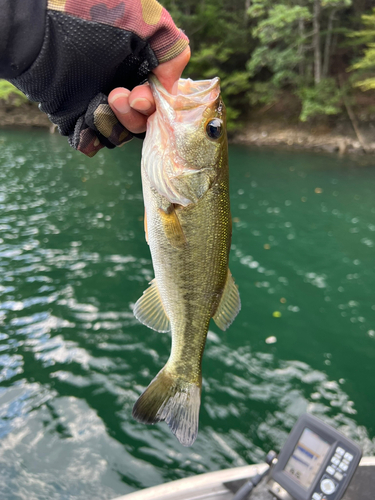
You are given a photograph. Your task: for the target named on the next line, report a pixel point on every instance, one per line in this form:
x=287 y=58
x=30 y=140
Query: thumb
x=169 y=73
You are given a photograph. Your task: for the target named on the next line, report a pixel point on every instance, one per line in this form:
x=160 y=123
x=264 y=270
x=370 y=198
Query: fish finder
x=316 y=463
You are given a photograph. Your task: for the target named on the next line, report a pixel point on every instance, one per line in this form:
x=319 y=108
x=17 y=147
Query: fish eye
x=214 y=128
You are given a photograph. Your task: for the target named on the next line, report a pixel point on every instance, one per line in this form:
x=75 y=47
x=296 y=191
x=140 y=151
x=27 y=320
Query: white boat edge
x=195 y=487
x=210 y=484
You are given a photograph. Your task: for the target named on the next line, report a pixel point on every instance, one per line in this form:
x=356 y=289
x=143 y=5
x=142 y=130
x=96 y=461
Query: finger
x=131 y=119
x=142 y=100
x=169 y=73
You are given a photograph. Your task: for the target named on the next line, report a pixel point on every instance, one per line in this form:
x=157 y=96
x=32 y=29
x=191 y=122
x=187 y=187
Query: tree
x=290 y=47
x=290 y=35
x=279 y=30
x=367 y=62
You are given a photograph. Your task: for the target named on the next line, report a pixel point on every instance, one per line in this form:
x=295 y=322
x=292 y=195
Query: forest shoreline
x=270 y=133
x=301 y=138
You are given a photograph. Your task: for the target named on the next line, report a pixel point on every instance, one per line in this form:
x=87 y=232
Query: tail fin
x=174 y=401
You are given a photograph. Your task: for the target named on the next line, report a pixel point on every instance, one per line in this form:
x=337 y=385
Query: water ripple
x=73 y=359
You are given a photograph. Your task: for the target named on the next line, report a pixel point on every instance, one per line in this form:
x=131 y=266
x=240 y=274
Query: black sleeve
x=22 y=25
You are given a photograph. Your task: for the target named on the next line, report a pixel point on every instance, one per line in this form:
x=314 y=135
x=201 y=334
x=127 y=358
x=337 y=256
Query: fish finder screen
x=307 y=458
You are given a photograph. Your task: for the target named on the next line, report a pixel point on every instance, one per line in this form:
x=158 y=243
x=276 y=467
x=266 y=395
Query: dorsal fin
x=172 y=227
x=150 y=311
x=229 y=305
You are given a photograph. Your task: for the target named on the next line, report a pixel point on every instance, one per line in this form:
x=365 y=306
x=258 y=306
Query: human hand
x=132 y=108
x=90 y=47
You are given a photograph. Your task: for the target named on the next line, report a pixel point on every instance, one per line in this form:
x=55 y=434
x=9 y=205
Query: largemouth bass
x=188 y=228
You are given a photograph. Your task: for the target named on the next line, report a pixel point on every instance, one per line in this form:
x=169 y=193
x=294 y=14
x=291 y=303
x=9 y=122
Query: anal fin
x=150 y=311
x=172 y=227
x=229 y=305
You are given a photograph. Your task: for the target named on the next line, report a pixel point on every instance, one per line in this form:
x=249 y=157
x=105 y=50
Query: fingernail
x=141 y=104
x=120 y=103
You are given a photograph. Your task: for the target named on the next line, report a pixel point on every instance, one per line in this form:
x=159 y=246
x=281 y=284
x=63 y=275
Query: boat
x=224 y=484
x=316 y=463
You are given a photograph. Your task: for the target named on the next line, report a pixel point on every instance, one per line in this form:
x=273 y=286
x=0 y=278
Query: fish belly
x=190 y=279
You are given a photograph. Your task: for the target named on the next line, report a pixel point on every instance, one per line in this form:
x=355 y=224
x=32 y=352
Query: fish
x=188 y=225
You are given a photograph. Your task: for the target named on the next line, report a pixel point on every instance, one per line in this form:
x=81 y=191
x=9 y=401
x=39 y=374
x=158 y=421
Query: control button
x=338 y=476
x=348 y=456
x=335 y=460
x=327 y=486
x=340 y=451
x=316 y=496
x=337 y=456
x=345 y=462
x=343 y=467
x=330 y=470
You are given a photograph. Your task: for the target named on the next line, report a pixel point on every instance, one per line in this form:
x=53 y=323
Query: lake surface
x=73 y=359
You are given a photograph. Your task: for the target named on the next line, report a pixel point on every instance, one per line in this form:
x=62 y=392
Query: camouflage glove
x=90 y=47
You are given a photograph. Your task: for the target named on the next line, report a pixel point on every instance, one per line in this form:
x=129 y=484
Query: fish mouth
x=190 y=93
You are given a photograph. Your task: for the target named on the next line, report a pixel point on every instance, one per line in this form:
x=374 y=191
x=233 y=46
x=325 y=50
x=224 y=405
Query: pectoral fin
x=229 y=305
x=172 y=227
x=150 y=311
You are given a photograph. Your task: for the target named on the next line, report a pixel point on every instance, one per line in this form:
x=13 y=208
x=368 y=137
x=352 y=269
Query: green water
x=73 y=360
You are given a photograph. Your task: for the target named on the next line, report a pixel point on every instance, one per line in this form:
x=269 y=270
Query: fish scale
x=189 y=243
